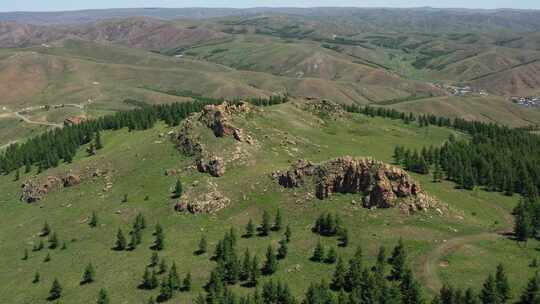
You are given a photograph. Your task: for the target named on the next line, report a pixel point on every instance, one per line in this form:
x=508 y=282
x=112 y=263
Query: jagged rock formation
x=33 y=190
x=218 y=119
x=324 y=108
x=381 y=185
x=214 y=166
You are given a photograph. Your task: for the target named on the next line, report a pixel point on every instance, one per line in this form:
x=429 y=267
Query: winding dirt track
x=430 y=262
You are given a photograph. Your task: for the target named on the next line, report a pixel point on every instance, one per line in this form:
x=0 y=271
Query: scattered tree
x=56 y=291
x=88 y=275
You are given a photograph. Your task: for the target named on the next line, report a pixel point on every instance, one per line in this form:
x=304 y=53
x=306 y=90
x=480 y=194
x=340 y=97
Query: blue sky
x=55 y=5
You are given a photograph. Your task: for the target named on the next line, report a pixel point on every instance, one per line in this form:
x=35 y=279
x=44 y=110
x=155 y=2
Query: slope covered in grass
x=134 y=163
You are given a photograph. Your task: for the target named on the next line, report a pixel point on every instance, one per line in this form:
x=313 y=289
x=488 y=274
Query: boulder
x=215 y=166
x=33 y=190
x=210 y=202
x=381 y=185
x=71 y=180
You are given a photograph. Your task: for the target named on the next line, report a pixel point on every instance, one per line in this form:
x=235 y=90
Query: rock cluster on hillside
x=381 y=185
x=218 y=119
x=209 y=200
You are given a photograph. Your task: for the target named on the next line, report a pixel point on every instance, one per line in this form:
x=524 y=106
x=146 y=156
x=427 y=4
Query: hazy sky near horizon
x=56 y=5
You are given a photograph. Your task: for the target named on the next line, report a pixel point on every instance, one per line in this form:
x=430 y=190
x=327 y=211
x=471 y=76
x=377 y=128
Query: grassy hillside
x=135 y=162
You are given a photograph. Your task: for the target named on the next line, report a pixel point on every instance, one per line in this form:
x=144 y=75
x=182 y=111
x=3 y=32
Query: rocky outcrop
x=380 y=185
x=215 y=166
x=34 y=190
x=217 y=117
x=71 y=180
x=210 y=201
x=324 y=108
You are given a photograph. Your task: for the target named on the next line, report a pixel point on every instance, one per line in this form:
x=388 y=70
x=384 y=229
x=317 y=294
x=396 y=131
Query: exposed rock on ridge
x=381 y=185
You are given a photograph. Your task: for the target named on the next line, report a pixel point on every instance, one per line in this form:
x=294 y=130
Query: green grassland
x=137 y=161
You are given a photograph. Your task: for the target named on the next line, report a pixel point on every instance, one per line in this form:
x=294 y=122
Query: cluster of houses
x=529 y=101
x=462 y=90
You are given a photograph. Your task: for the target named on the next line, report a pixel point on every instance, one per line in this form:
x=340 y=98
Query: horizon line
x=265 y=7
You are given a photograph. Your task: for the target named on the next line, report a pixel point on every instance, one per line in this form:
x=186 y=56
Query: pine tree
x=282 y=250
x=174 y=278
x=154 y=259
x=162 y=267
x=53 y=241
x=410 y=289
x=103 y=296
x=88 y=275
x=343 y=237
x=99 y=144
x=288 y=234
x=470 y=297
x=488 y=295
x=246 y=266
x=178 y=189
x=397 y=261
x=46 y=229
x=159 y=242
x=146 y=280
x=64 y=246
x=186 y=284
x=37 y=278
x=120 y=241
x=318 y=253
x=25 y=255
x=502 y=285
x=265 y=226
x=531 y=294
x=254 y=272
x=154 y=280
x=339 y=279
x=203 y=246
x=47 y=258
x=271 y=263
x=165 y=292
x=93 y=220
x=56 y=291
x=522 y=226
x=250 y=229
x=278 y=221
x=331 y=256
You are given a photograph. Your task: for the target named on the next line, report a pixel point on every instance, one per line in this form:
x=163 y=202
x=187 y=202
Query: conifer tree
x=165 y=292
x=162 y=267
x=343 y=237
x=154 y=280
x=103 y=296
x=380 y=265
x=154 y=259
x=146 y=280
x=397 y=261
x=88 y=275
x=174 y=278
x=254 y=272
x=288 y=234
x=271 y=263
x=203 y=246
x=265 y=226
x=46 y=229
x=250 y=229
x=178 y=189
x=47 y=258
x=278 y=221
x=120 y=243
x=502 y=284
x=331 y=256
x=186 y=284
x=531 y=294
x=25 y=255
x=339 y=278
x=522 y=226
x=99 y=143
x=53 y=241
x=159 y=242
x=37 y=278
x=318 y=253
x=56 y=291
x=488 y=295
x=283 y=249
x=93 y=220
x=410 y=289
x=246 y=266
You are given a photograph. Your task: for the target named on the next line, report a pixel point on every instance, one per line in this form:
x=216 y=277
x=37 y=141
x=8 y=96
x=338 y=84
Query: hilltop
x=135 y=172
